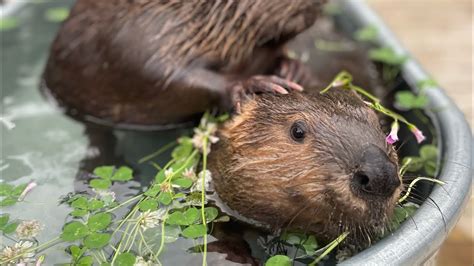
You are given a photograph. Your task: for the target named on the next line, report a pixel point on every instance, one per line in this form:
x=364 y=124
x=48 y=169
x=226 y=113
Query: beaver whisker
x=300 y=211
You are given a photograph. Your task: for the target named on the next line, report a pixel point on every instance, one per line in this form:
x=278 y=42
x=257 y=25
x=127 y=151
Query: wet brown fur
x=151 y=62
x=259 y=171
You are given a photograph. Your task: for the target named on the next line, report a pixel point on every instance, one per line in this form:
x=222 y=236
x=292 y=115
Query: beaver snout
x=376 y=175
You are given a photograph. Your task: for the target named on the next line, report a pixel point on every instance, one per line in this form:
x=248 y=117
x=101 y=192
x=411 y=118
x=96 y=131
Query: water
x=57 y=151
x=53 y=149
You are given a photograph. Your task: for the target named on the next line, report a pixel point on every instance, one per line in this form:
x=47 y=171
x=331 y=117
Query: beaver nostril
x=362 y=180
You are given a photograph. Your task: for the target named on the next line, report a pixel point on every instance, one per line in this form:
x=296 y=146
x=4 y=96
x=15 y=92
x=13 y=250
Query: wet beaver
x=308 y=161
x=161 y=62
x=314 y=162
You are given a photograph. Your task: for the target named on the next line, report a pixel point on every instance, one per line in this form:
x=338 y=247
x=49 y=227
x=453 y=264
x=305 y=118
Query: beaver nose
x=376 y=175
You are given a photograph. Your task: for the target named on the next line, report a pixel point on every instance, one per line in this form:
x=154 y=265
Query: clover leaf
x=74 y=231
x=97 y=240
x=387 y=55
x=408 y=100
x=125 y=259
x=368 y=33
x=278 y=260
x=99 y=221
x=194 y=231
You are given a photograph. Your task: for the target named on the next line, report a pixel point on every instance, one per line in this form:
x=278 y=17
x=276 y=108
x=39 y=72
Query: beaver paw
x=295 y=71
x=260 y=84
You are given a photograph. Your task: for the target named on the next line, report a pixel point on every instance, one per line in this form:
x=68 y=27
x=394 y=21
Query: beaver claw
x=295 y=71
x=261 y=84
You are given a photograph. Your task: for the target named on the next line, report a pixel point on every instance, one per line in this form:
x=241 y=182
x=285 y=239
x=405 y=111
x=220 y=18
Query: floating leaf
x=429 y=152
x=310 y=245
x=79 y=213
x=8 y=23
x=96 y=240
x=278 y=260
x=80 y=203
x=57 y=14
x=415 y=165
x=211 y=214
x=6 y=189
x=427 y=83
x=19 y=189
x=124 y=173
x=100 y=183
x=222 y=219
x=8 y=201
x=430 y=168
x=125 y=259
x=10 y=228
x=292 y=238
x=4 y=220
x=95 y=204
x=99 y=221
x=104 y=172
x=194 y=231
x=74 y=231
x=148 y=205
x=401 y=213
x=408 y=100
x=183 y=182
x=183 y=150
x=387 y=55
x=368 y=33
x=153 y=191
x=171 y=233
x=76 y=252
x=87 y=260
x=165 y=197
x=160 y=176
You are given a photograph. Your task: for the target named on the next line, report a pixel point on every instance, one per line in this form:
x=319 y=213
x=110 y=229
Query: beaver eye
x=298 y=131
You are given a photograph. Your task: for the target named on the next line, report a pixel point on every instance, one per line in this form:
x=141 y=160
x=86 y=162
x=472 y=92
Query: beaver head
x=312 y=162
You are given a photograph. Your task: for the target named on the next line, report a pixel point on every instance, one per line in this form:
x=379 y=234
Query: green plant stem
x=329 y=248
x=158 y=152
x=162 y=240
x=117 y=251
x=193 y=154
x=404 y=167
x=125 y=203
x=144 y=242
x=45 y=245
x=131 y=238
x=99 y=261
x=439 y=182
x=203 y=198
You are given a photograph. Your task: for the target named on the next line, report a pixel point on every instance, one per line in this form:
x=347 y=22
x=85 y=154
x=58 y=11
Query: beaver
x=153 y=63
x=313 y=162
x=156 y=64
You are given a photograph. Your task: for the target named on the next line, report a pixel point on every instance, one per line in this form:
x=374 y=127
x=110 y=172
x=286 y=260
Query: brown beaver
x=161 y=62
x=317 y=163
x=308 y=161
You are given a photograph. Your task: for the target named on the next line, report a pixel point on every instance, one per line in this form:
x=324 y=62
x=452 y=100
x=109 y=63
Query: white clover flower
x=140 y=261
x=106 y=196
x=18 y=251
x=21 y=247
x=207 y=177
x=189 y=173
x=28 y=229
x=201 y=134
x=168 y=172
x=8 y=253
x=151 y=219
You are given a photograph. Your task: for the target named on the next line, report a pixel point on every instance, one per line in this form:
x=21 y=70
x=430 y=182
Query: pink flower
x=28 y=188
x=418 y=134
x=393 y=137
